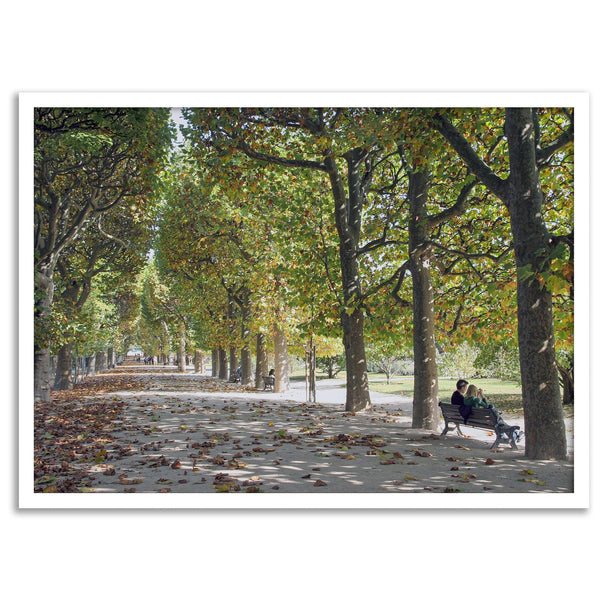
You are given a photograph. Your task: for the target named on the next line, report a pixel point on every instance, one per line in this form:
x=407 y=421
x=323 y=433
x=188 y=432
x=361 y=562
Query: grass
x=505 y=395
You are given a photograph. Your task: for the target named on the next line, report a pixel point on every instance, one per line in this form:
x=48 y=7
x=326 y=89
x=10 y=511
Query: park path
x=175 y=432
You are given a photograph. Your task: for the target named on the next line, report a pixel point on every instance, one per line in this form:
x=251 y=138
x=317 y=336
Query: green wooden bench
x=480 y=418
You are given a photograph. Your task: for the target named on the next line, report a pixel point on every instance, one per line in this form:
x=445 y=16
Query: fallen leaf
x=418 y=452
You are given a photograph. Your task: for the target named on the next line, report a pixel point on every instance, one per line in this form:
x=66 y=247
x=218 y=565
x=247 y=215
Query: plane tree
x=343 y=146
x=86 y=162
x=111 y=247
x=524 y=176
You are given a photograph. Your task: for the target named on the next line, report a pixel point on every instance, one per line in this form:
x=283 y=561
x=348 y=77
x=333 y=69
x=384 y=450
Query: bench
x=269 y=382
x=480 y=418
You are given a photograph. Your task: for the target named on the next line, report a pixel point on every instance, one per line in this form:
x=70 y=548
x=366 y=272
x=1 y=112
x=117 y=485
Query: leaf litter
x=223 y=438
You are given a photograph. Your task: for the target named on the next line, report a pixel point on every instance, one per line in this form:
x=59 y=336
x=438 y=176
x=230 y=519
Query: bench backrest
x=479 y=417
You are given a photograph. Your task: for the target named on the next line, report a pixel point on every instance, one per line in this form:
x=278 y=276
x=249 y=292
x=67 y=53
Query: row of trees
x=403 y=228
x=299 y=218
x=95 y=178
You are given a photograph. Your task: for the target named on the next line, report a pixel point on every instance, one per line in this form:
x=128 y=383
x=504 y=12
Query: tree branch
x=482 y=171
x=456 y=209
x=542 y=155
x=278 y=160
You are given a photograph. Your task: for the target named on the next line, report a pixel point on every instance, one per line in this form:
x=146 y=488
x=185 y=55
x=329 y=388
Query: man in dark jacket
x=459 y=395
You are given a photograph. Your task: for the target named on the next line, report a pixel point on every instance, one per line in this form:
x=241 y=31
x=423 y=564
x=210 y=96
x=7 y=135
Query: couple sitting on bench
x=470 y=396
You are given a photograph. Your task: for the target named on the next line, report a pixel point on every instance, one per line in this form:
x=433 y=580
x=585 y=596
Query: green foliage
x=94 y=172
x=459 y=363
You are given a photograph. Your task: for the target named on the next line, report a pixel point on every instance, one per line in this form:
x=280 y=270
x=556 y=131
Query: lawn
x=506 y=395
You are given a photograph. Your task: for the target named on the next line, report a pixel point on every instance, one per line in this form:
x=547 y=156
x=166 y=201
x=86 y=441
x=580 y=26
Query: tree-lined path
x=430 y=241
x=152 y=429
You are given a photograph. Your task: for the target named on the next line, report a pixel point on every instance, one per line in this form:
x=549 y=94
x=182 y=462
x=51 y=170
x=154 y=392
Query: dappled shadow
x=190 y=433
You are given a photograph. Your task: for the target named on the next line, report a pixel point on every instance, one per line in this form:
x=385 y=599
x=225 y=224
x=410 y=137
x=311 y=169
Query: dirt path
x=167 y=432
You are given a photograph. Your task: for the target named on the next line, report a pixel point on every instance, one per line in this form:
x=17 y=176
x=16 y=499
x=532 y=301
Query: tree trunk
x=348 y=219
x=311 y=375
x=246 y=352
x=198 y=362
x=44 y=293
x=425 y=400
x=262 y=360
x=63 y=379
x=544 y=425
x=282 y=373
x=181 y=350
x=100 y=362
x=223 y=366
x=90 y=365
x=215 y=366
x=566 y=378
x=234 y=361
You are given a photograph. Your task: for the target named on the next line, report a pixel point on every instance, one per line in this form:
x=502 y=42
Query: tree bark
x=566 y=377
x=262 y=360
x=181 y=349
x=223 y=366
x=542 y=408
x=63 y=379
x=234 y=361
x=215 y=366
x=198 y=362
x=348 y=219
x=311 y=374
x=246 y=351
x=425 y=400
x=100 y=362
x=90 y=365
x=44 y=294
x=282 y=373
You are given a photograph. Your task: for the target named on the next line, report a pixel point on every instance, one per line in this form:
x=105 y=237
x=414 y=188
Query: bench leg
x=446 y=428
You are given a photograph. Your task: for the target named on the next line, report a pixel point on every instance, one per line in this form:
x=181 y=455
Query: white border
x=581 y=496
